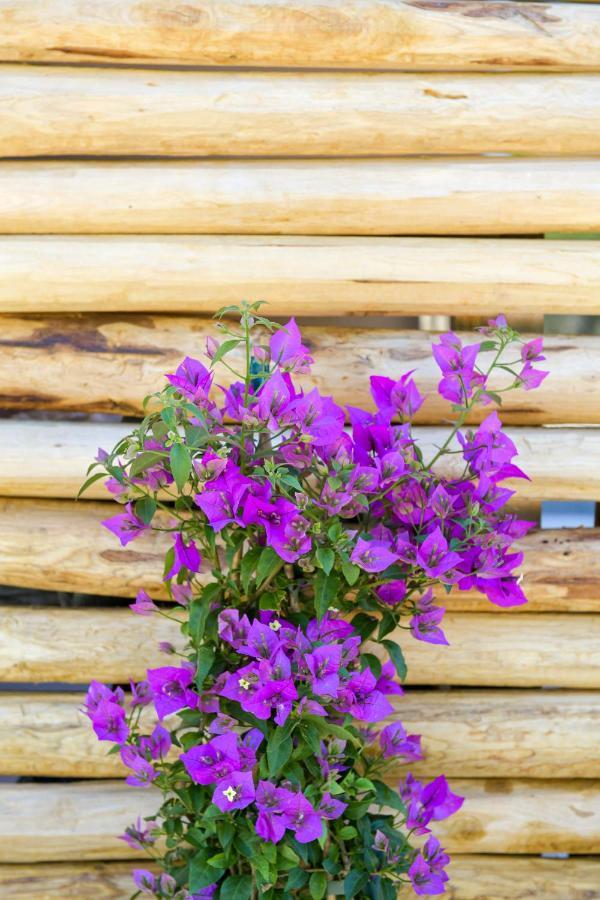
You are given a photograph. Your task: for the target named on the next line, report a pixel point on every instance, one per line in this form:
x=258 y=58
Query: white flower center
x=245 y=685
x=275 y=625
x=230 y=794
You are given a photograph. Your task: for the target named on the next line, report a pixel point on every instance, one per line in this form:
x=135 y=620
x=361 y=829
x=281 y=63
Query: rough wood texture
x=77 y=645
x=378 y=34
x=298 y=275
x=109 y=363
x=79 y=821
x=57 y=455
x=56 y=545
x=471 y=733
x=60 y=111
x=62 y=547
x=326 y=197
x=474 y=877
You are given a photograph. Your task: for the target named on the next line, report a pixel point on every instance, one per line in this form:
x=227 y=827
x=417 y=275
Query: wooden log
x=514 y=650
x=55 y=881
x=62 y=547
x=61 y=111
x=79 y=821
x=109 y=363
x=466 y=733
x=55 y=545
x=477 y=877
x=563 y=463
x=298 y=275
x=417 y=34
x=327 y=197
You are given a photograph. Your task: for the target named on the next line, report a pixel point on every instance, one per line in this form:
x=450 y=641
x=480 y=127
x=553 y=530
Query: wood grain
x=61 y=111
x=514 y=650
x=57 y=545
x=298 y=275
x=477 y=877
x=563 y=463
x=110 y=363
x=422 y=34
x=320 y=197
x=466 y=733
x=79 y=821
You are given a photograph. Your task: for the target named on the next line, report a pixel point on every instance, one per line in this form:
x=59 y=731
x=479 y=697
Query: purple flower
x=502 y=591
x=396 y=398
x=192 y=380
x=365 y=701
x=424 y=879
x=278 y=694
x=457 y=364
x=386 y=683
x=433 y=555
x=330 y=808
x=185 y=556
x=144 y=772
x=144 y=605
x=170 y=686
x=207 y=763
x=271 y=823
x=158 y=744
x=108 y=722
x=233 y=629
x=324 y=665
x=373 y=556
x=392 y=592
x=425 y=626
x=97 y=692
x=127 y=526
x=139 y=836
x=287 y=349
x=236 y=791
x=145 y=881
x=141 y=693
x=301 y=817
x=395 y=741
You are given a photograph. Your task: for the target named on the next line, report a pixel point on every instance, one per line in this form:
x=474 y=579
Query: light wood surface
x=422 y=34
x=79 y=821
x=62 y=111
x=514 y=650
x=320 y=197
x=299 y=275
x=50 y=459
x=477 y=877
x=110 y=363
x=59 y=545
x=470 y=733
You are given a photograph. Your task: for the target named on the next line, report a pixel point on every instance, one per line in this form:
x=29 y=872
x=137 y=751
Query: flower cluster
x=304 y=539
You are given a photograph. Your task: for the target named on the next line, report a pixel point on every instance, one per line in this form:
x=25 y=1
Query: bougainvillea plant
x=301 y=550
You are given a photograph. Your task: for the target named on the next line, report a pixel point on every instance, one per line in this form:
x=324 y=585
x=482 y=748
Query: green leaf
x=348 y=832
x=247 y=566
x=387 y=624
x=199 y=610
x=224 y=349
x=225 y=833
x=201 y=875
x=143 y=461
x=204 y=663
x=317 y=885
x=373 y=663
x=236 y=887
x=145 y=509
x=397 y=658
x=268 y=563
x=279 y=750
x=89 y=482
x=326 y=590
x=326 y=559
x=181 y=464
x=350 y=573
x=297 y=878
x=328 y=729
x=364 y=624
x=385 y=796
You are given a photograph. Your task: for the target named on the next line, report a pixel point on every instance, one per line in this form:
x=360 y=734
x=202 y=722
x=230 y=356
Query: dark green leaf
x=397 y=658
x=279 y=750
x=385 y=796
x=199 y=610
x=145 y=509
x=326 y=559
x=364 y=624
x=317 y=885
x=350 y=573
x=297 y=878
x=181 y=464
x=247 y=566
x=353 y=883
x=201 y=875
x=236 y=887
x=268 y=563
x=327 y=729
x=204 y=663
x=326 y=590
